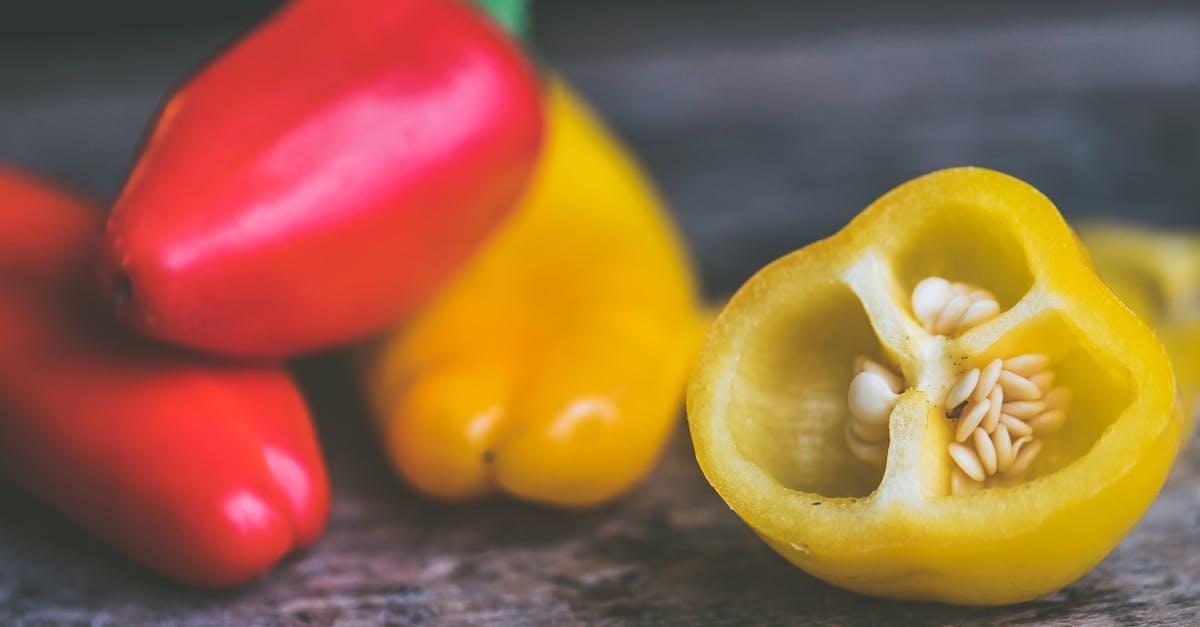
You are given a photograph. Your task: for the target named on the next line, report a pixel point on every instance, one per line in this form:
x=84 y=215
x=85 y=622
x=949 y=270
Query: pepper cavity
x=1009 y=405
x=999 y=412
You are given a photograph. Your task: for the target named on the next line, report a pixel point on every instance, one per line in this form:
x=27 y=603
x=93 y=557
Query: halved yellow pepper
x=553 y=369
x=1157 y=273
x=770 y=401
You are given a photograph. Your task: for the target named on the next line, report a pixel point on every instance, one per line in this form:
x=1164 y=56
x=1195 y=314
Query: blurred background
x=767 y=124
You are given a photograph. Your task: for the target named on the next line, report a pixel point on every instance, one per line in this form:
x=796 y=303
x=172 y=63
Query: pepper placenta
x=205 y=471
x=322 y=177
x=553 y=368
x=1157 y=273
x=939 y=402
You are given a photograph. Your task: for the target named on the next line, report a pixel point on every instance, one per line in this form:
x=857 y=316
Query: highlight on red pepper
x=205 y=471
x=322 y=177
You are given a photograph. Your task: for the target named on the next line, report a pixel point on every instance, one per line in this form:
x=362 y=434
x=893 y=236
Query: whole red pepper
x=322 y=177
x=206 y=471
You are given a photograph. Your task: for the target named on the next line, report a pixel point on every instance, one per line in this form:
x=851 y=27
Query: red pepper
x=322 y=177
x=206 y=471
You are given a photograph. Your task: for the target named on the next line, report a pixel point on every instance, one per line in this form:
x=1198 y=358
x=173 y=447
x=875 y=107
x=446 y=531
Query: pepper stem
x=513 y=15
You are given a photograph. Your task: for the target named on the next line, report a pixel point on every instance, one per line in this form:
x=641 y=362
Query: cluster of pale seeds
x=873 y=393
x=1001 y=409
x=948 y=308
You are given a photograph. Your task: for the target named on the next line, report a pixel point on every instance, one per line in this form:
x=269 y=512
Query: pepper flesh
x=207 y=472
x=552 y=369
x=322 y=177
x=1157 y=273
x=767 y=401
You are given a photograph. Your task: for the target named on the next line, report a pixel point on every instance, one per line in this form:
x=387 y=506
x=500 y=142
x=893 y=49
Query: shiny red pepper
x=205 y=471
x=322 y=177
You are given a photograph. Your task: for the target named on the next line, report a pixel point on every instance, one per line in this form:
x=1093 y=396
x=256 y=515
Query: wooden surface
x=670 y=553
x=768 y=125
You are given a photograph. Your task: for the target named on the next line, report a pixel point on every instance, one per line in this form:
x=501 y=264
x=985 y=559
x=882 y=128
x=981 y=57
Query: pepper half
x=552 y=369
x=1157 y=273
x=797 y=373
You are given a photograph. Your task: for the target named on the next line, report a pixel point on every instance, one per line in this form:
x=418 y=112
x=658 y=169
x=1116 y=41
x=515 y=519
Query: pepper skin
x=552 y=369
x=322 y=177
x=1157 y=273
x=771 y=400
x=204 y=471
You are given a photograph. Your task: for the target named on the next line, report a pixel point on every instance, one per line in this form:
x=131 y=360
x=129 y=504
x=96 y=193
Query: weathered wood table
x=768 y=125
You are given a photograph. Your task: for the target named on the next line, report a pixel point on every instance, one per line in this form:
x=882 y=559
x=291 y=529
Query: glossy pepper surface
x=322 y=177
x=786 y=431
x=1157 y=273
x=553 y=368
x=204 y=471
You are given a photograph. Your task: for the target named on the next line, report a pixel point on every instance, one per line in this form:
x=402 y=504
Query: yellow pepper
x=1157 y=273
x=939 y=402
x=553 y=369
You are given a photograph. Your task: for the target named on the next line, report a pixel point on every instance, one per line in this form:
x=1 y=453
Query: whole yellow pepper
x=553 y=368
x=1157 y=273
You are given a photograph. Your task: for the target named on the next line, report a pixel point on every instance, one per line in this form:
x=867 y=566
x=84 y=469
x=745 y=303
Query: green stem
x=512 y=14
